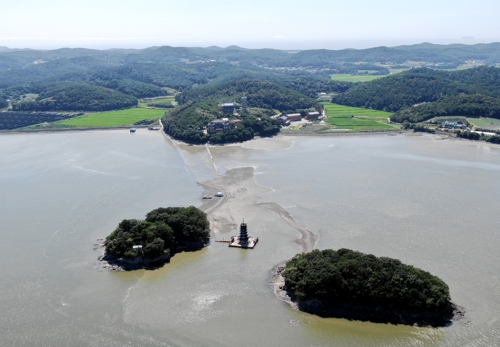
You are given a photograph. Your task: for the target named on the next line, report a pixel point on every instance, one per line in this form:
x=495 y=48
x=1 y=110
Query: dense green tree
x=189 y=224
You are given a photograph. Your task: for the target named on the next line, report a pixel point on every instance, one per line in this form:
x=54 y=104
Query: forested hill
x=475 y=105
x=151 y=72
x=148 y=80
x=76 y=97
x=261 y=94
x=415 y=86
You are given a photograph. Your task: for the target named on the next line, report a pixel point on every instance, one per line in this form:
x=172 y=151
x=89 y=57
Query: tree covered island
x=137 y=243
x=353 y=285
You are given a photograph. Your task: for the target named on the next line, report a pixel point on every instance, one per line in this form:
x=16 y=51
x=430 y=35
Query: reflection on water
x=432 y=204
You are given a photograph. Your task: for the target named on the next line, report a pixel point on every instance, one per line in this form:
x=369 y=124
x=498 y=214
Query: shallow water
x=432 y=204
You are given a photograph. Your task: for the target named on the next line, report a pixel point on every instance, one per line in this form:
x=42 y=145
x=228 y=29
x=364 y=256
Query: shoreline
x=352 y=311
x=66 y=130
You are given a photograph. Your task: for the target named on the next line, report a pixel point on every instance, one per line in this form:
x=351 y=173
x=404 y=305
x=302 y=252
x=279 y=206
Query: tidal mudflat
x=430 y=202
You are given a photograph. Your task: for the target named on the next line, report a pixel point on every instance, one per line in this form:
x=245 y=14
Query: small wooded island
x=136 y=244
x=353 y=285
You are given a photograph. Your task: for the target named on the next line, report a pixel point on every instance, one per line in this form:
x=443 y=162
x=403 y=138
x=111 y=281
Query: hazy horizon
x=105 y=44
x=280 y=24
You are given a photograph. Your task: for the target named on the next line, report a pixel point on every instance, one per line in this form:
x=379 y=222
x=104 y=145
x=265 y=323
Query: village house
x=453 y=125
x=284 y=121
x=313 y=115
x=294 y=117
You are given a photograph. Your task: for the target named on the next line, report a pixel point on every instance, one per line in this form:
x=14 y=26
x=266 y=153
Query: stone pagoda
x=243 y=240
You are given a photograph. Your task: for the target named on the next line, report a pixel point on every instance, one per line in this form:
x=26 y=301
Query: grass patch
x=166 y=102
x=335 y=110
x=169 y=90
x=395 y=71
x=114 y=118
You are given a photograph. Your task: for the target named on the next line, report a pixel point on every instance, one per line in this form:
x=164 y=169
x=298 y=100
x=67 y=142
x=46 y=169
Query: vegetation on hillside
x=347 y=276
x=475 y=105
x=400 y=91
x=261 y=94
x=163 y=231
x=76 y=97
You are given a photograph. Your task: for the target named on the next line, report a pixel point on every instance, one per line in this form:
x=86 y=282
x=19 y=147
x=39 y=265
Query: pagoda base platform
x=235 y=242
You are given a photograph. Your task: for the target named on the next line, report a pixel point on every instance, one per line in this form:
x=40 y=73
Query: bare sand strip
x=307 y=240
x=212 y=159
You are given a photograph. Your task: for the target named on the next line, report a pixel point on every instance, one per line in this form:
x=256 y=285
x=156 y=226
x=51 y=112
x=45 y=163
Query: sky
x=290 y=24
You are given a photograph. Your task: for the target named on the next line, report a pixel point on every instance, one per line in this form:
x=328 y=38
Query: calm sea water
x=432 y=204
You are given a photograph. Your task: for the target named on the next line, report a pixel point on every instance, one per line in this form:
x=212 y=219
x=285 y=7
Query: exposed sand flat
x=241 y=200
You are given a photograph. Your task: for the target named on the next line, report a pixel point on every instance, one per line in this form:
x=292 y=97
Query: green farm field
x=362 y=78
x=353 y=78
x=113 y=118
x=359 y=124
x=488 y=123
x=335 y=110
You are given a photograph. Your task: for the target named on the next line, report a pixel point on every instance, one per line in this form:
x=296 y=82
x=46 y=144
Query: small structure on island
x=243 y=240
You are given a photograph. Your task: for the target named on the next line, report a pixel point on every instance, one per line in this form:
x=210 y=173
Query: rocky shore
x=110 y=262
x=353 y=311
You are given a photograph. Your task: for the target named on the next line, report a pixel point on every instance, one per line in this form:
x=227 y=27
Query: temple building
x=228 y=107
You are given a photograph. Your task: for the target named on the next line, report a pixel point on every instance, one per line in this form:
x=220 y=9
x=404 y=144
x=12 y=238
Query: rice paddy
x=113 y=118
x=335 y=110
x=346 y=118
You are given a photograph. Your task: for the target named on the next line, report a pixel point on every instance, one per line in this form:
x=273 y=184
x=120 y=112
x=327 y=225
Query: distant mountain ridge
x=432 y=53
